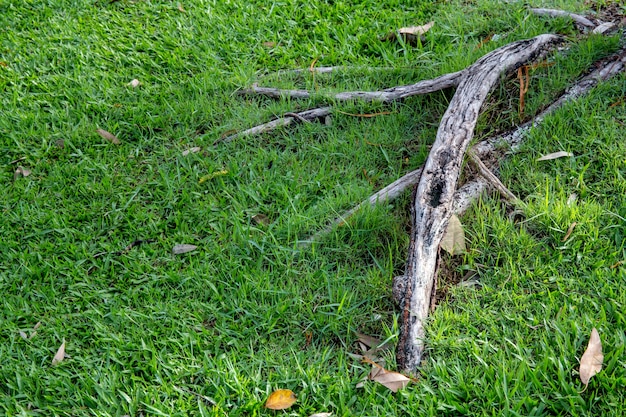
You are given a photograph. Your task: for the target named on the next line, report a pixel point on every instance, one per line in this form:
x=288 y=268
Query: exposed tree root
x=436 y=196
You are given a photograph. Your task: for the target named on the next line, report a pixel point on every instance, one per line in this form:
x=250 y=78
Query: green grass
x=231 y=320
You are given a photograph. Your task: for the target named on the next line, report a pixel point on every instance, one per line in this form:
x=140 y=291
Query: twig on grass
x=307 y=115
x=491 y=178
x=561 y=13
x=387 y=95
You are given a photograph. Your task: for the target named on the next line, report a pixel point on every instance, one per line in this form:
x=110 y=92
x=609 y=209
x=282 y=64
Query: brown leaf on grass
x=195 y=149
x=555 y=155
x=591 y=361
x=261 y=219
x=416 y=30
x=21 y=172
x=389 y=379
x=60 y=143
x=570 y=229
x=183 y=248
x=60 y=355
x=108 y=136
x=453 y=240
x=410 y=34
x=280 y=399
x=368 y=341
x=269 y=44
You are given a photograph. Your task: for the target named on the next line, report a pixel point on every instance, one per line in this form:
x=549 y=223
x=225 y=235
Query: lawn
x=86 y=238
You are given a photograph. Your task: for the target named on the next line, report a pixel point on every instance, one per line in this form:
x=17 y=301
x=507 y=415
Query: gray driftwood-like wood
x=560 y=13
x=490 y=151
x=387 y=95
x=435 y=191
x=289 y=118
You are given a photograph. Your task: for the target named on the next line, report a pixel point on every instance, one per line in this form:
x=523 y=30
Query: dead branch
x=387 y=95
x=495 y=182
x=435 y=192
x=491 y=150
x=307 y=115
x=560 y=13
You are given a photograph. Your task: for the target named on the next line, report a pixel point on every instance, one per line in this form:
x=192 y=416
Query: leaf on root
x=183 y=248
x=60 y=355
x=108 y=136
x=280 y=399
x=555 y=155
x=591 y=361
x=453 y=240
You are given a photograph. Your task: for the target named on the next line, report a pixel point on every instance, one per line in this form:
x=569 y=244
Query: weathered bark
x=281 y=121
x=560 y=13
x=490 y=150
x=434 y=197
x=387 y=95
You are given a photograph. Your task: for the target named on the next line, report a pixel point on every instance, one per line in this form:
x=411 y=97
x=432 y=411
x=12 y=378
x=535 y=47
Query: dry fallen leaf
x=453 y=240
x=269 y=44
x=555 y=155
x=181 y=8
x=280 y=399
x=60 y=355
x=569 y=231
x=321 y=415
x=591 y=361
x=191 y=150
x=261 y=219
x=108 y=136
x=392 y=380
x=416 y=30
x=410 y=34
x=183 y=248
x=21 y=172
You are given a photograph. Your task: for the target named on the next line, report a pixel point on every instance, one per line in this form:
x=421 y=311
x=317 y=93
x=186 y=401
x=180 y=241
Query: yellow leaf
x=591 y=361
x=212 y=175
x=280 y=399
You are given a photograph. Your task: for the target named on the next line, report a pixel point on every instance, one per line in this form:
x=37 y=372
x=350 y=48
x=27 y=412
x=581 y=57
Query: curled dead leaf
x=280 y=399
x=416 y=30
x=261 y=219
x=570 y=229
x=60 y=355
x=183 y=248
x=592 y=359
x=108 y=136
x=21 y=172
